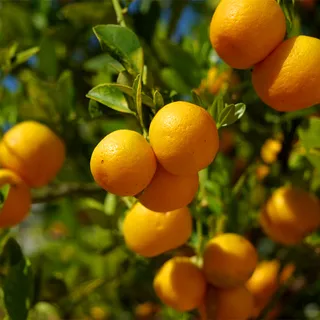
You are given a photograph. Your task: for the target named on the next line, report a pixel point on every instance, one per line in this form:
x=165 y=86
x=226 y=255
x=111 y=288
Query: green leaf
x=231 y=113
x=309 y=133
x=48 y=61
x=137 y=96
x=4 y=194
x=123 y=45
x=110 y=96
x=65 y=92
x=181 y=61
x=216 y=107
x=88 y=13
x=174 y=81
x=101 y=62
x=110 y=204
x=158 y=100
x=18 y=283
x=24 y=56
x=197 y=99
x=96 y=109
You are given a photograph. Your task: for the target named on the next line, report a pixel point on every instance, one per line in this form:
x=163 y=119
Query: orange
x=244 y=32
x=262 y=171
x=151 y=233
x=33 y=151
x=168 y=192
x=180 y=284
x=146 y=311
x=18 y=202
x=290 y=214
x=270 y=150
x=184 y=138
x=229 y=260
x=265 y=281
x=289 y=79
x=227 y=304
x=123 y=163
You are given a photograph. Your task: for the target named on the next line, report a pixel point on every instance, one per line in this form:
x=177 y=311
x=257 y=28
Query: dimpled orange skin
x=168 y=192
x=123 y=163
x=294 y=211
x=33 y=151
x=18 y=202
x=184 y=138
x=289 y=79
x=229 y=260
x=180 y=284
x=266 y=280
x=244 y=32
x=150 y=233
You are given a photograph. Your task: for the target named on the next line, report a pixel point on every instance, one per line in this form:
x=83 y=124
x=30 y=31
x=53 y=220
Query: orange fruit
x=157 y=232
x=270 y=150
x=227 y=304
x=168 y=192
x=180 y=284
x=229 y=260
x=244 y=32
x=265 y=281
x=184 y=138
x=18 y=202
x=262 y=171
x=290 y=214
x=33 y=151
x=146 y=311
x=123 y=163
x=289 y=78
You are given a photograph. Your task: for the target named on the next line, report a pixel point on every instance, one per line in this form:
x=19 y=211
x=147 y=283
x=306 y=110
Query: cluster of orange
x=31 y=155
x=162 y=174
x=250 y=34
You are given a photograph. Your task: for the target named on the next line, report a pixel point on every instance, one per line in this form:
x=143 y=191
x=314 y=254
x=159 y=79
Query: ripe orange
x=289 y=78
x=168 y=192
x=184 y=138
x=265 y=281
x=227 y=304
x=229 y=260
x=290 y=214
x=18 y=202
x=123 y=163
x=180 y=284
x=244 y=32
x=33 y=151
x=146 y=311
x=151 y=233
x=270 y=150
x=262 y=171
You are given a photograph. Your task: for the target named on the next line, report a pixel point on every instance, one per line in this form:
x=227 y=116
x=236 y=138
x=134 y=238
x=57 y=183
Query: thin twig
x=63 y=190
x=119 y=13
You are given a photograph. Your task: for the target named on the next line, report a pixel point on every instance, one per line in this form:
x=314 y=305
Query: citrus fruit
x=33 y=151
x=18 y=202
x=168 y=192
x=146 y=311
x=184 y=138
x=290 y=214
x=180 y=284
x=262 y=171
x=244 y=32
x=150 y=233
x=289 y=78
x=123 y=163
x=265 y=281
x=229 y=260
x=270 y=150
x=227 y=304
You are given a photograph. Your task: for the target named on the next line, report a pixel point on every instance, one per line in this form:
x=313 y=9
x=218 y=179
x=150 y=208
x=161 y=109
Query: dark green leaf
x=231 y=113
x=110 y=96
x=181 y=61
x=4 y=194
x=216 y=107
x=174 y=81
x=88 y=13
x=137 y=96
x=125 y=78
x=158 y=100
x=123 y=45
x=12 y=251
x=65 y=92
x=48 y=62
x=103 y=61
x=96 y=109
x=197 y=99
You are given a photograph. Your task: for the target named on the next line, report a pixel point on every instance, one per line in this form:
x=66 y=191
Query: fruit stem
x=119 y=13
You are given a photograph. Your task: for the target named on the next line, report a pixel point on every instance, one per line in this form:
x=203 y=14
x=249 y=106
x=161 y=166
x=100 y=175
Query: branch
x=119 y=12
x=63 y=190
